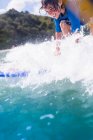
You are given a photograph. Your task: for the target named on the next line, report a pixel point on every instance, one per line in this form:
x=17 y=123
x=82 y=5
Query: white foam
x=28 y=128
x=74 y=63
x=50 y=116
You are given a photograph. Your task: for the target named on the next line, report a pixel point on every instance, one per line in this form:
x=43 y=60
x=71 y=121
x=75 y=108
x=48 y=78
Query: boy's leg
x=66 y=28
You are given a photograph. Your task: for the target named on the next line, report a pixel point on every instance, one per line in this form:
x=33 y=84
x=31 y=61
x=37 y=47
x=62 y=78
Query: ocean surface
x=55 y=100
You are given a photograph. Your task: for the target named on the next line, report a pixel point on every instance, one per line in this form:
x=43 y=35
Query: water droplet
x=28 y=128
x=51 y=104
x=19 y=134
x=48 y=123
x=47 y=116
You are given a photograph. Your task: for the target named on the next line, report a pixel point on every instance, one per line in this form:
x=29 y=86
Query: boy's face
x=52 y=11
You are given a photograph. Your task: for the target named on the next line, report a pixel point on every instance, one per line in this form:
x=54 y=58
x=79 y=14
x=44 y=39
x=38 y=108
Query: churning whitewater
x=39 y=60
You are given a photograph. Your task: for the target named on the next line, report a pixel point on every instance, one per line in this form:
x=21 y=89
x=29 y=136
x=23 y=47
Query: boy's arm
x=58 y=36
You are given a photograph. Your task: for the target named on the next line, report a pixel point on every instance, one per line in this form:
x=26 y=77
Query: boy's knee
x=63 y=25
x=66 y=29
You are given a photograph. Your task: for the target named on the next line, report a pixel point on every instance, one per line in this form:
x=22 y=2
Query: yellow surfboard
x=83 y=9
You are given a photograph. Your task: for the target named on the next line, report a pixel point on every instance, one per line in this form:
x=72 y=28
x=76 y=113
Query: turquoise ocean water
x=55 y=101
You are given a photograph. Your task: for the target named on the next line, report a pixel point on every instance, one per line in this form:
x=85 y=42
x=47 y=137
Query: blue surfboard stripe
x=14 y=74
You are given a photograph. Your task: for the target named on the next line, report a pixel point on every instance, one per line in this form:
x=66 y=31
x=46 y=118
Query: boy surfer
x=66 y=21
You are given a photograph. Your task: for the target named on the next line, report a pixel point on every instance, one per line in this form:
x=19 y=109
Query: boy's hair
x=51 y=2
x=55 y=3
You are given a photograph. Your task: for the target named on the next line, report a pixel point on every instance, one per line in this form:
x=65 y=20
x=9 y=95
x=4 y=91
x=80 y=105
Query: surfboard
x=19 y=74
x=14 y=74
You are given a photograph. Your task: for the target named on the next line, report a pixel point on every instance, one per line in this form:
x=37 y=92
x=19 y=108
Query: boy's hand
x=57 y=52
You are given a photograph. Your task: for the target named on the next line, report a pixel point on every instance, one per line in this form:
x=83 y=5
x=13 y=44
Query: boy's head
x=51 y=7
x=45 y=3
